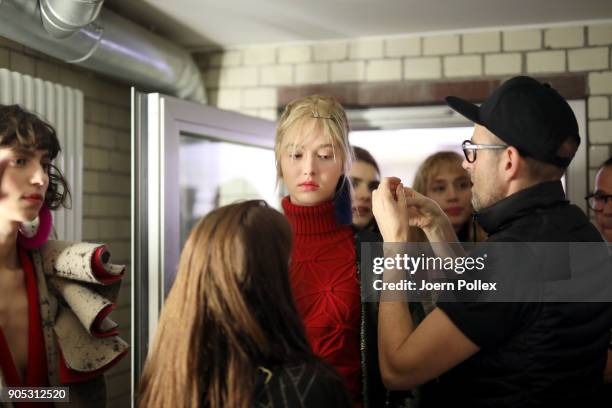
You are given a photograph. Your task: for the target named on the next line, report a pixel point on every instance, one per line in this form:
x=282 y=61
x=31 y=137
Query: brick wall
x=246 y=79
x=106 y=206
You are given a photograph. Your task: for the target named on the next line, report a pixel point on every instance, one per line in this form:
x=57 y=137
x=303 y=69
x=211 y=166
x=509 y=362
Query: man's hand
x=423 y=212
x=396 y=208
x=389 y=209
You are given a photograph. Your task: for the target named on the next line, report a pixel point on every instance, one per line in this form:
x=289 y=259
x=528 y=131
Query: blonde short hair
x=432 y=166
x=322 y=112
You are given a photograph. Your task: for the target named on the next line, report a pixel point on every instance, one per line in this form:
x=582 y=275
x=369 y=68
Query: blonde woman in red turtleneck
x=313 y=156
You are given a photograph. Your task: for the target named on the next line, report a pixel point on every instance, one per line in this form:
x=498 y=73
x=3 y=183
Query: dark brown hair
x=230 y=310
x=363 y=155
x=20 y=128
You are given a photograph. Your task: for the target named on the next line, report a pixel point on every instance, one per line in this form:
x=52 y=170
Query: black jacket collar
x=501 y=214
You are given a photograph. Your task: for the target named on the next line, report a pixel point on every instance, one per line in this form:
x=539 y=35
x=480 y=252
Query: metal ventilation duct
x=110 y=45
x=61 y=18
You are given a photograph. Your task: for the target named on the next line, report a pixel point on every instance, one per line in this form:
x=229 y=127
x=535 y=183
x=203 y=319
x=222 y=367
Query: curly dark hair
x=20 y=128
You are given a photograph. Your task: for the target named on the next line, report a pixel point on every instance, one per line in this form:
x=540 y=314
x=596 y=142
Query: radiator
x=62 y=107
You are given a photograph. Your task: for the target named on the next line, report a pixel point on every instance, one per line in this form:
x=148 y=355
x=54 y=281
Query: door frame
x=158 y=121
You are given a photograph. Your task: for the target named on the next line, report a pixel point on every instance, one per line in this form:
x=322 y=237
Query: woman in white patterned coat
x=55 y=296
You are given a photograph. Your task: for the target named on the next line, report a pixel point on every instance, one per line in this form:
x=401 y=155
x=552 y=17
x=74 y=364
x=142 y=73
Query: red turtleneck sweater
x=323 y=276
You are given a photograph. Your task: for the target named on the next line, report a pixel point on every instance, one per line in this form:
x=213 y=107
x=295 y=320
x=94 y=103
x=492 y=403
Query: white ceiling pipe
x=110 y=45
x=61 y=18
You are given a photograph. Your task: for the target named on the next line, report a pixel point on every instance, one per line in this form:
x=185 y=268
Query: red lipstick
x=309 y=185
x=33 y=197
x=454 y=210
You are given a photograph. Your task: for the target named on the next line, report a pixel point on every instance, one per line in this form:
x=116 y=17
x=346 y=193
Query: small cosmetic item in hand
x=393 y=183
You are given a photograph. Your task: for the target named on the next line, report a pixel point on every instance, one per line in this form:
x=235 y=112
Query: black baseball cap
x=529 y=115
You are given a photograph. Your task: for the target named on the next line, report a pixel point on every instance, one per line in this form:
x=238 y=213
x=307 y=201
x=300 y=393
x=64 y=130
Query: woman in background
x=442 y=178
x=365 y=177
x=229 y=334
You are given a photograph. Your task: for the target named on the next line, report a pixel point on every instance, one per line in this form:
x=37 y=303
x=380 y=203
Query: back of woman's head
x=24 y=130
x=229 y=311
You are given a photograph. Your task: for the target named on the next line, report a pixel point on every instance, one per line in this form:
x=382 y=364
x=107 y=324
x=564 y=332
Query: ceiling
x=201 y=24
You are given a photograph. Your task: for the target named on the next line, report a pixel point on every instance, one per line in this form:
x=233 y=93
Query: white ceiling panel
x=197 y=24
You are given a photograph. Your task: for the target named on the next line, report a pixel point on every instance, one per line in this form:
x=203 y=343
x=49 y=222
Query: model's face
x=450 y=187
x=308 y=165
x=603 y=218
x=484 y=171
x=24 y=180
x=365 y=179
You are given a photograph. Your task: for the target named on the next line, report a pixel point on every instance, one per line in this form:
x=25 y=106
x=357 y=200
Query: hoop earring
x=34 y=234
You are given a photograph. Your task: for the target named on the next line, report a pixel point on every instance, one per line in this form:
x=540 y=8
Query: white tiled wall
x=245 y=78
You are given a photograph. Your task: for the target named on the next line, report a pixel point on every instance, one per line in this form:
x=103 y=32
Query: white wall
x=246 y=79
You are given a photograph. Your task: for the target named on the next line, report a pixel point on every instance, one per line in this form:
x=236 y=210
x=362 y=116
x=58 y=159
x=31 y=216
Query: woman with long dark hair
x=365 y=177
x=229 y=334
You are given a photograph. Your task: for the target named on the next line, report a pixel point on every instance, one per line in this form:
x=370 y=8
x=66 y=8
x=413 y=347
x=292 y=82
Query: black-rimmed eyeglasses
x=598 y=201
x=469 y=149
